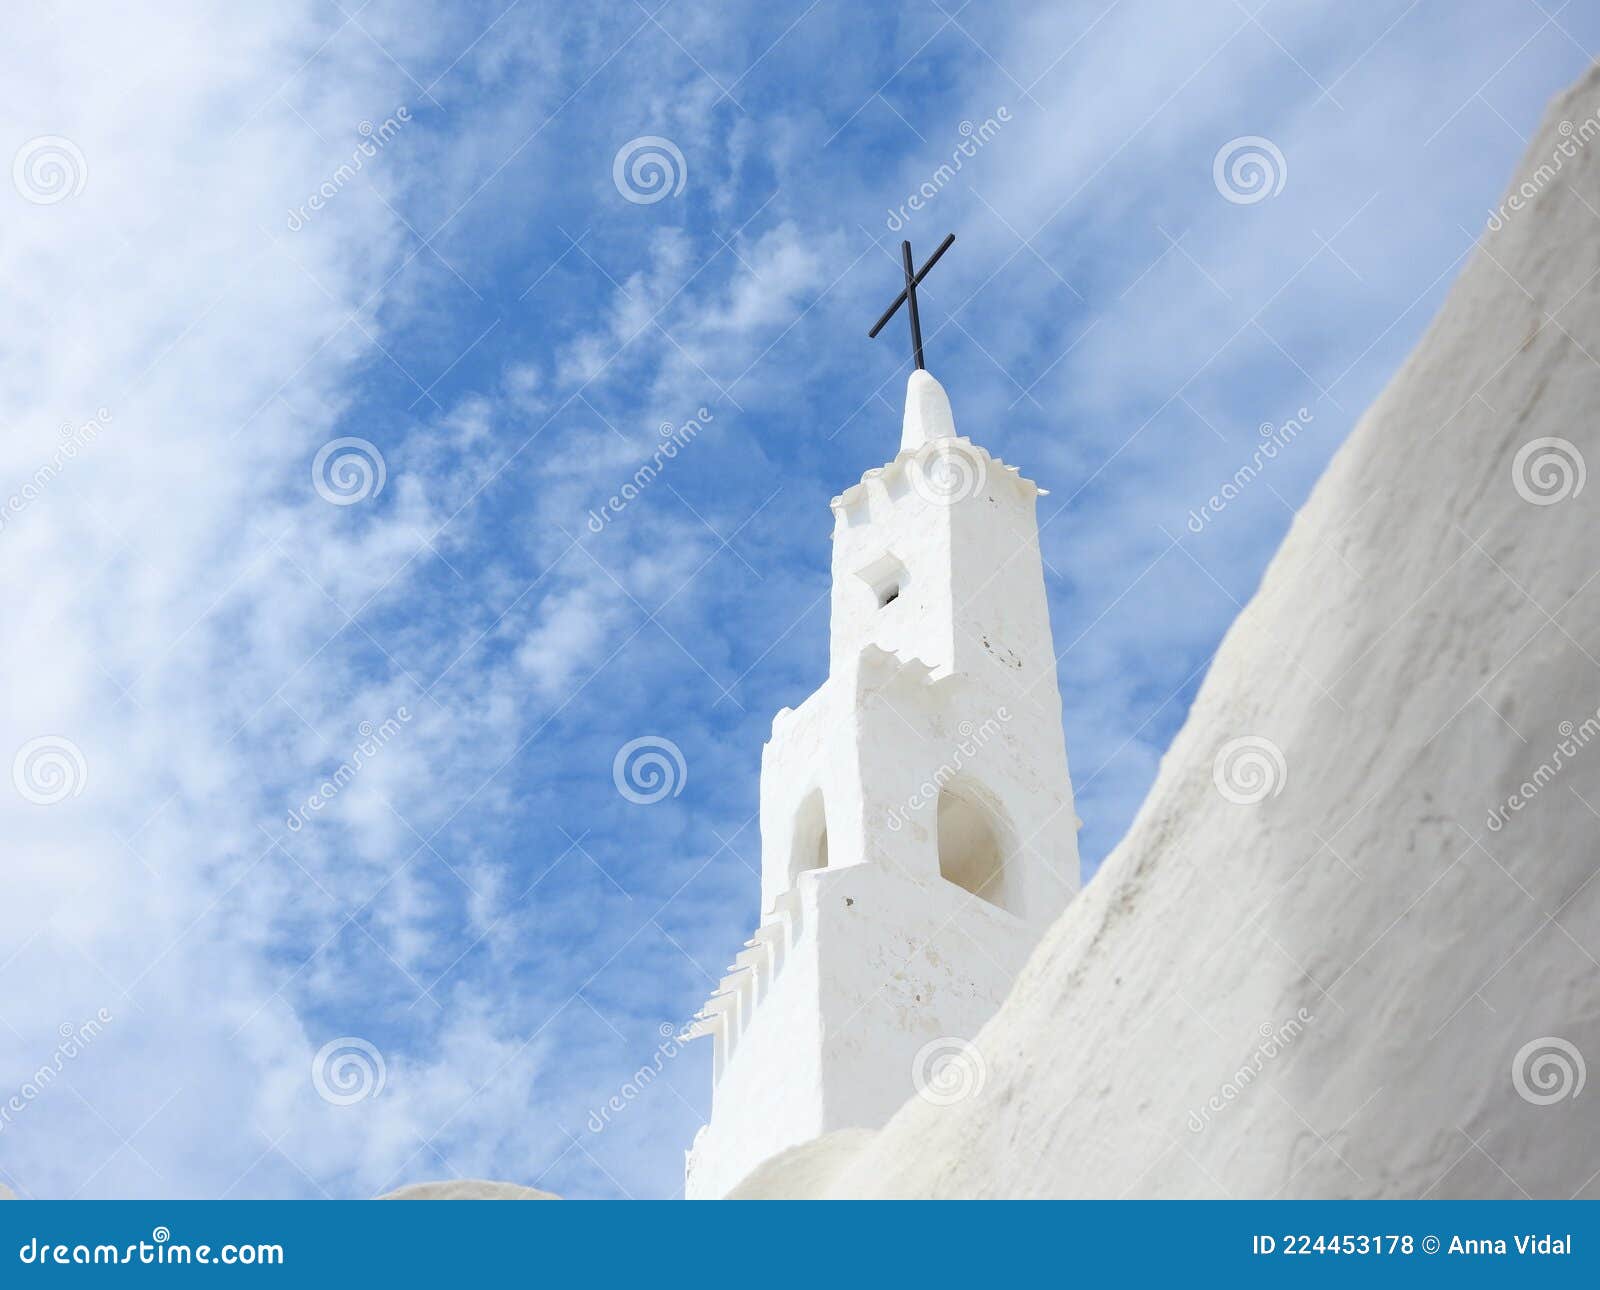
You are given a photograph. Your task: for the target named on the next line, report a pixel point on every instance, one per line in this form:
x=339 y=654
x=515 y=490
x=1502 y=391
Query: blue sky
x=484 y=305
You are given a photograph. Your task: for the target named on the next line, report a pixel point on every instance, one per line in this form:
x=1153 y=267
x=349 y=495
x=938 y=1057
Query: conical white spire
x=928 y=414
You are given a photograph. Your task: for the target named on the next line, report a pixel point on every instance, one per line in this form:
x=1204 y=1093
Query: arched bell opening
x=809 y=847
x=974 y=846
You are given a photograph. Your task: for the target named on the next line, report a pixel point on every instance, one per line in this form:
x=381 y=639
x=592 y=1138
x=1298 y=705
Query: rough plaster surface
x=808 y=1169
x=1413 y=651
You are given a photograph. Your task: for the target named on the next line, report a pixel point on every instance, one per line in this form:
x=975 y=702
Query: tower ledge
x=892 y=474
x=928 y=430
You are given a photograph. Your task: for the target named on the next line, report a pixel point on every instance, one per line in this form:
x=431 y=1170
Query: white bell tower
x=917 y=824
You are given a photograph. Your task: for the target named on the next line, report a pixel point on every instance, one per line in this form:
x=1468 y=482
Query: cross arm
x=901 y=298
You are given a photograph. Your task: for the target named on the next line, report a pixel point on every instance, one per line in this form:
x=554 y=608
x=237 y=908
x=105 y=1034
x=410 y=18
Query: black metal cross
x=909 y=297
